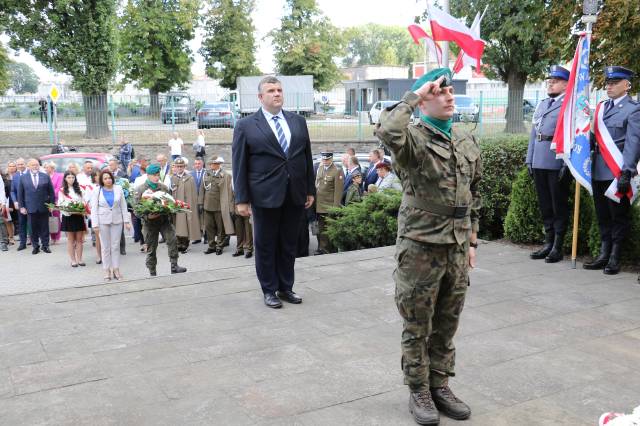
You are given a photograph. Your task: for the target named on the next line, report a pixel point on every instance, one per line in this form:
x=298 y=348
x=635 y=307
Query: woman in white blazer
x=108 y=215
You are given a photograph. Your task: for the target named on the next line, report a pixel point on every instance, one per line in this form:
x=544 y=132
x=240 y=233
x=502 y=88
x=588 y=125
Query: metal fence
x=140 y=119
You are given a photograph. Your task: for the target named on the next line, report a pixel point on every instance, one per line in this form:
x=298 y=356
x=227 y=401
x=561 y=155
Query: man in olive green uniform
x=329 y=186
x=153 y=225
x=437 y=230
x=216 y=197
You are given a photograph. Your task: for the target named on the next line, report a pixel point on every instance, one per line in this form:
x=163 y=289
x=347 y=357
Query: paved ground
x=538 y=345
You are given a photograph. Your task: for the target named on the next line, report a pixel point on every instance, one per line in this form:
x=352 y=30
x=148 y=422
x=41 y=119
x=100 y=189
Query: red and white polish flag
x=445 y=27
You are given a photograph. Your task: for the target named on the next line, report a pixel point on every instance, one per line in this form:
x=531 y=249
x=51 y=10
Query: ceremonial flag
x=445 y=27
x=571 y=137
x=464 y=59
x=418 y=33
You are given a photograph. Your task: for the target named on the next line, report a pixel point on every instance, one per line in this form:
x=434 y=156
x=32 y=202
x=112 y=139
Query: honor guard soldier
x=550 y=175
x=329 y=186
x=621 y=118
x=216 y=197
x=440 y=169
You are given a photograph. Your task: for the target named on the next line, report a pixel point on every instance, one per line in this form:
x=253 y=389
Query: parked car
x=216 y=114
x=465 y=109
x=178 y=106
x=528 y=108
x=376 y=109
x=62 y=161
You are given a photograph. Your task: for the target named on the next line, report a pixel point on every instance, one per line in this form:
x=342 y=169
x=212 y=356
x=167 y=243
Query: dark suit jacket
x=262 y=173
x=195 y=178
x=371 y=176
x=34 y=199
x=15 y=184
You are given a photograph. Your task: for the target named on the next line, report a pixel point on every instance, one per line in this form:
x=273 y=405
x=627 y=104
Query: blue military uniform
x=549 y=174
x=622 y=119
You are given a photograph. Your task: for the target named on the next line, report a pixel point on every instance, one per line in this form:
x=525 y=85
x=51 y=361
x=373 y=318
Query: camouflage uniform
x=440 y=209
x=151 y=228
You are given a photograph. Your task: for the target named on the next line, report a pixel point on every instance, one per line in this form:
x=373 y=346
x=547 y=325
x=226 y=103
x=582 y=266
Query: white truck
x=298 y=94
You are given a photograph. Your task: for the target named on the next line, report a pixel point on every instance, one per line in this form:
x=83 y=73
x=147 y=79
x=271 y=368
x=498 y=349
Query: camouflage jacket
x=440 y=176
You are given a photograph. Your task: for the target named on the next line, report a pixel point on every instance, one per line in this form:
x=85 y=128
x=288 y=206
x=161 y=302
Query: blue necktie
x=608 y=106
x=281 y=138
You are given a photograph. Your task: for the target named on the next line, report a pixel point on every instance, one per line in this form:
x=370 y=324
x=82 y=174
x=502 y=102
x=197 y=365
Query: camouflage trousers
x=151 y=230
x=431 y=284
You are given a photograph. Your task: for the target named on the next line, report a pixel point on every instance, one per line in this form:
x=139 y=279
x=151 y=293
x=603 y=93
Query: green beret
x=153 y=169
x=433 y=75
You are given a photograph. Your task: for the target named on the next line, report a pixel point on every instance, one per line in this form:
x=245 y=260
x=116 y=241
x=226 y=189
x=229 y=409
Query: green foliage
x=631 y=245
x=307 y=43
x=23 y=79
x=229 y=46
x=5 y=81
x=376 y=44
x=370 y=223
x=502 y=159
x=154 y=42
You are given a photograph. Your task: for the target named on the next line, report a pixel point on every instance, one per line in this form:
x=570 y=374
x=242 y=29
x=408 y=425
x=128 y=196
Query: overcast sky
x=343 y=13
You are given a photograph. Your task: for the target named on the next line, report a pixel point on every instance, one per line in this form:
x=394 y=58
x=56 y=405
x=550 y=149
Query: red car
x=100 y=159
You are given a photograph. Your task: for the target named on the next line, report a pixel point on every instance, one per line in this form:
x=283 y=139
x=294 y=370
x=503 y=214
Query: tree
x=154 y=51
x=5 y=81
x=76 y=37
x=307 y=43
x=23 y=79
x=375 y=44
x=229 y=45
x=518 y=45
x=615 y=36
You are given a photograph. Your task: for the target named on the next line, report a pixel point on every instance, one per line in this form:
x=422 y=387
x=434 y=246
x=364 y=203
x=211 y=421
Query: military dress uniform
x=215 y=184
x=439 y=211
x=329 y=186
x=550 y=175
x=151 y=228
x=622 y=119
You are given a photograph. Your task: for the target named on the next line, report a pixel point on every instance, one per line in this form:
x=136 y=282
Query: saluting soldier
x=154 y=225
x=216 y=196
x=621 y=117
x=550 y=175
x=183 y=187
x=329 y=186
x=440 y=170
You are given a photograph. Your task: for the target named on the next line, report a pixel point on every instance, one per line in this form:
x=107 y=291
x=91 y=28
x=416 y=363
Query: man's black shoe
x=248 y=254
x=176 y=269
x=449 y=404
x=35 y=250
x=46 y=250
x=556 y=252
x=546 y=248
x=195 y=242
x=613 y=266
x=152 y=272
x=422 y=408
x=123 y=252
x=318 y=252
x=289 y=296
x=238 y=252
x=272 y=301
x=22 y=247
x=218 y=252
x=209 y=250
x=603 y=258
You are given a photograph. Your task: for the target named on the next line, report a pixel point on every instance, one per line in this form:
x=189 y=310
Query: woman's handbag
x=54 y=225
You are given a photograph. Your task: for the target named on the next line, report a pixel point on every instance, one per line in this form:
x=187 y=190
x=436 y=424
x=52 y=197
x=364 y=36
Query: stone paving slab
x=538 y=344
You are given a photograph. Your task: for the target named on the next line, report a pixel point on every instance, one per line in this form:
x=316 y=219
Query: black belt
x=540 y=137
x=457 y=212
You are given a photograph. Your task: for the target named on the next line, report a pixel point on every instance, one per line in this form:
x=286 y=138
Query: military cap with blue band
x=556 y=71
x=618 y=73
x=433 y=75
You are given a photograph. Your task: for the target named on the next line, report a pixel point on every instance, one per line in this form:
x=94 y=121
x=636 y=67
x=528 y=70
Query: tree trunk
x=515 y=115
x=96 y=112
x=154 y=103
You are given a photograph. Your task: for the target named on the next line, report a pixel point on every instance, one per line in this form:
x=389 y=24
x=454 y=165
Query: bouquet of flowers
x=126 y=189
x=159 y=203
x=70 y=206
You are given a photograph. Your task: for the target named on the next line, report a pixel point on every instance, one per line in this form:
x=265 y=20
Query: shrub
x=631 y=246
x=370 y=223
x=502 y=159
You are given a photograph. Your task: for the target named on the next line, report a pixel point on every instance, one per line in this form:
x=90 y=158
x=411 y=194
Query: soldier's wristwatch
x=474 y=245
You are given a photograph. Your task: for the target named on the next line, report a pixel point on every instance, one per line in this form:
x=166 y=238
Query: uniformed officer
x=153 y=225
x=216 y=195
x=622 y=120
x=550 y=175
x=329 y=185
x=440 y=169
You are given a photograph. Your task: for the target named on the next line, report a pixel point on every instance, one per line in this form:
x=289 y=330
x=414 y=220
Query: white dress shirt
x=283 y=124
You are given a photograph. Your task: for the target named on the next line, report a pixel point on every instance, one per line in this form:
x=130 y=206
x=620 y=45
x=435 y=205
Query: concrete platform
x=538 y=345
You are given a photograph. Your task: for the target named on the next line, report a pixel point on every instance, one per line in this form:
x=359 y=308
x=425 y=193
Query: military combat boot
x=613 y=266
x=602 y=259
x=546 y=248
x=177 y=269
x=152 y=272
x=449 y=404
x=422 y=408
x=556 y=252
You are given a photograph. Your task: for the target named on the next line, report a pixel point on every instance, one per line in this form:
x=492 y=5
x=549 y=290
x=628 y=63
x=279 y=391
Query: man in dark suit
x=34 y=190
x=371 y=176
x=198 y=172
x=23 y=219
x=273 y=181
